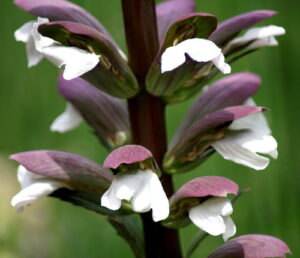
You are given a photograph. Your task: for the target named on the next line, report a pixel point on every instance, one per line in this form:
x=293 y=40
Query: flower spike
x=136 y=181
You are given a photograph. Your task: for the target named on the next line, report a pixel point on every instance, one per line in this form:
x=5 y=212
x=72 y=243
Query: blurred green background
x=29 y=103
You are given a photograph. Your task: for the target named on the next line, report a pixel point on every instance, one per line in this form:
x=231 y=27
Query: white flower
x=67 y=121
x=143 y=189
x=34 y=187
x=260 y=37
x=212 y=216
x=76 y=61
x=245 y=138
x=200 y=50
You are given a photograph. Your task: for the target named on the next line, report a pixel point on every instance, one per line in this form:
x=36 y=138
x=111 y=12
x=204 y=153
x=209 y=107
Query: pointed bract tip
x=127 y=154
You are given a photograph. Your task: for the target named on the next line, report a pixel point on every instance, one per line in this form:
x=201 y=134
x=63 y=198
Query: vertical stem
x=148 y=129
x=141 y=34
x=147 y=115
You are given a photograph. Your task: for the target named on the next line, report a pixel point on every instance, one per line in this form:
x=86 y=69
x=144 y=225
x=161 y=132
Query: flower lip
x=127 y=154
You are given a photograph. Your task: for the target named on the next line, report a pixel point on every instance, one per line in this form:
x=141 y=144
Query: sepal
x=250 y=246
x=74 y=170
x=108 y=116
x=168 y=12
x=231 y=27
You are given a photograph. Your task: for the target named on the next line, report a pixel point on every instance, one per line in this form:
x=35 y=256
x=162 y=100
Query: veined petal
x=208 y=215
x=200 y=50
x=245 y=138
x=76 y=61
x=230 y=228
x=67 y=121
x=34 y=187
x=241 y=147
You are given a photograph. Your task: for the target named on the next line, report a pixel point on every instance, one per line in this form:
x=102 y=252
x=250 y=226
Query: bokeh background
x=29 y=102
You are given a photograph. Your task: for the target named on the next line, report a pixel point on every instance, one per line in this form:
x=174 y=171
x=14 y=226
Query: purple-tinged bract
x=127 y=154
x=252 y=246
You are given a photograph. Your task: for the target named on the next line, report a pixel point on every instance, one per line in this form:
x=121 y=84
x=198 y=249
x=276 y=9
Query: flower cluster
x=95 y=80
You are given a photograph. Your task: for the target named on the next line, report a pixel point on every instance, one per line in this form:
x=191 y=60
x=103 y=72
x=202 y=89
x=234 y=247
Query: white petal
x=200 y=50
x=26 y=177
x=109 y=199
x=230 y=228
x=160 y=202
x=208 y=215
x=257 y=35
x=227 y=207
x=67 y=121
x=264 y=42
x=40 y=41
x=263 y=32
x=33 y=56
x=76 y=61
x=256 y=122
x=123 y=187
x=171 y=59
x=143 y=189
x=23 y=34
x=35 y=191
x=241 y=147
x=219 y=62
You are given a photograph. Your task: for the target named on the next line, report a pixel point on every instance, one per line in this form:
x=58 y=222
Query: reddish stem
x=147 y=116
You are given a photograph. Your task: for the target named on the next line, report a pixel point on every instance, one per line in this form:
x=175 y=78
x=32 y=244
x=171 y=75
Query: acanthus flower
x=245 y=138
x=213 y=217
x=76 y=61
x=258 y=37
x=139 y=185
x=34 y=187
x=204 y=201
x=198 y=49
